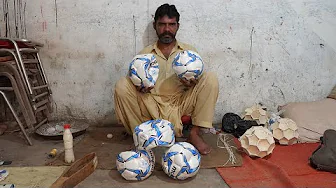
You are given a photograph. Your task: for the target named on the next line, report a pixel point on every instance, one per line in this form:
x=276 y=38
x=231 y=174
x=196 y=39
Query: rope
x=225 y=140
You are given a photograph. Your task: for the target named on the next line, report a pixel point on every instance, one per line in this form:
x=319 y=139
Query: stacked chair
x=22 y=75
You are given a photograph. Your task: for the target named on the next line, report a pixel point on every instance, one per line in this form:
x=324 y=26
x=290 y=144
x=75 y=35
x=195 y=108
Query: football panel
x=277 y=133
x=283 y=141
x=289 y=134
x=252 y=139
x=135 y=80
x=252 y=150
x=263 y=145
x=129 y=175
x=194 y=162
x=262 y=154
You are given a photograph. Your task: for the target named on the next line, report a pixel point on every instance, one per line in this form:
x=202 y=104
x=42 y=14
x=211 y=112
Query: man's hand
x=188 y=83
x=144 y=90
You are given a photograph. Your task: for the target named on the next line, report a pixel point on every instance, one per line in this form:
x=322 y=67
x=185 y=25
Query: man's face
x=166 y=29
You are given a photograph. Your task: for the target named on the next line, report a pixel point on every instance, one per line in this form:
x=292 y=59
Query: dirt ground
x=13 y=147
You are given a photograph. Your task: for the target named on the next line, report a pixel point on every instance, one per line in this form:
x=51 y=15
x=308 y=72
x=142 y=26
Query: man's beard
x=166 y=37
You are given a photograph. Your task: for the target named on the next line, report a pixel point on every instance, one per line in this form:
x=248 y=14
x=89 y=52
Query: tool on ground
x=52 y=153
x=77 y=172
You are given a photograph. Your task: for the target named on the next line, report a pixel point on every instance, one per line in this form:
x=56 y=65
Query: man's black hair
x=166 y=9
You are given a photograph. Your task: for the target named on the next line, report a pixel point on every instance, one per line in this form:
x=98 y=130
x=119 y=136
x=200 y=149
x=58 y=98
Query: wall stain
x=68 y=110
x=44 y=26
x=282 y=94
x=41 y=8
x=117 y=67
x=56 y=12
x=75 y=54
x=229 y=48
x=134 y=35
x=24 y=20
x=55 y=64
x=14 y=19
x=6 y=18
x=230 y=30
x=251 y=47
x=100 y=55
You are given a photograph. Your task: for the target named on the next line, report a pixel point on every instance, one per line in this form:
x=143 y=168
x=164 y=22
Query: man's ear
x=178 y=26
x=154 y=23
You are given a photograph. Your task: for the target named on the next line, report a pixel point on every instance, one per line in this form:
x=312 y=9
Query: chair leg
x=20 y=98
x=16 y=118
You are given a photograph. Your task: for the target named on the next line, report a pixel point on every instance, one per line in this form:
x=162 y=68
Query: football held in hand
x=188 y=65
x=144 y=70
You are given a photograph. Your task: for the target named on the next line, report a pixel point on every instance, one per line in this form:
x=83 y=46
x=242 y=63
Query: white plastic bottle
x=68 y=144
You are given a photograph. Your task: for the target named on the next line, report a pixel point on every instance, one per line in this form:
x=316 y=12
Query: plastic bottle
x=68 y=144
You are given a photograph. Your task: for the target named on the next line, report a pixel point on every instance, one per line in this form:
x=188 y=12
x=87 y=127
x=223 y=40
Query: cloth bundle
x=324 y=157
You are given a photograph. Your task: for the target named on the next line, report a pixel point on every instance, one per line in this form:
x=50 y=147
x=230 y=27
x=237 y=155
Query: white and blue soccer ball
x=135 y=165
x=181 y=161
x=144 y=70
x=154 y=133
x=188 y=64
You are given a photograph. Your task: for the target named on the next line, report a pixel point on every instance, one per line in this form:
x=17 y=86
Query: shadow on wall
x=149 y=36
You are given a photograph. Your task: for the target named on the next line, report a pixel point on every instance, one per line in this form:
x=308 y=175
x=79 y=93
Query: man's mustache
x=167 y=33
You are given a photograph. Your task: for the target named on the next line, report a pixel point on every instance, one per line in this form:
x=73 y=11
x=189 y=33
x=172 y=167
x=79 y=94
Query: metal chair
x=27 y=61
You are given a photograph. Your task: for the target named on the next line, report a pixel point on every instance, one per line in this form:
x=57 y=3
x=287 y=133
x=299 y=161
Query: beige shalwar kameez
x=169 y=99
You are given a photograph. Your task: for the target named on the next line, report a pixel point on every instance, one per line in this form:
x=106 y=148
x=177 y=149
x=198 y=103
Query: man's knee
x=122 y=87
x=211 y=80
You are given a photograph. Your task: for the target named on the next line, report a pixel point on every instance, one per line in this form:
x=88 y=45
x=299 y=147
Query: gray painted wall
x=268 y=51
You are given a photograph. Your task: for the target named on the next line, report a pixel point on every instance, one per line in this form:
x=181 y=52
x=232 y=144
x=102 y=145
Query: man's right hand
x=188 y=83
x=144 y=90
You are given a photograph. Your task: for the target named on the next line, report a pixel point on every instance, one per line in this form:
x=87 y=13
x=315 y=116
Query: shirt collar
x=178 y=45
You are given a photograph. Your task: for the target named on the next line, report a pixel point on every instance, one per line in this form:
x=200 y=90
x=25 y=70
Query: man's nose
x=166 y=27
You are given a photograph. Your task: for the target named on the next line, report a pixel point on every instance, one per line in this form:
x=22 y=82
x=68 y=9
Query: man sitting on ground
x=171 y=98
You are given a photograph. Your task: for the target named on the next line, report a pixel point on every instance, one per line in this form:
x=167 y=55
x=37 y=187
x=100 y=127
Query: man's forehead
x=166 y=19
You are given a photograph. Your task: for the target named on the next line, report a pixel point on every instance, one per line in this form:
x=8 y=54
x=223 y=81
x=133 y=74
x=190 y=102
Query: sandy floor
x=36 y=174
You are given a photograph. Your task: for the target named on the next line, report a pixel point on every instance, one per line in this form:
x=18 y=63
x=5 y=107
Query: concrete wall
x=269 y=51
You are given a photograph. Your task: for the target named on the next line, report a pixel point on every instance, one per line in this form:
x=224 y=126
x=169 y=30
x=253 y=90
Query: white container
x=68 y=144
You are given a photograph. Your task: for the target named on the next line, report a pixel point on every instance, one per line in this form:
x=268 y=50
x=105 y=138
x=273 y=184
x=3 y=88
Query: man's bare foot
x=196 y=140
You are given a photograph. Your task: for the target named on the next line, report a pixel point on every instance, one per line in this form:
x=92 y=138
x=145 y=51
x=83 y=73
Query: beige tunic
x=169 y=99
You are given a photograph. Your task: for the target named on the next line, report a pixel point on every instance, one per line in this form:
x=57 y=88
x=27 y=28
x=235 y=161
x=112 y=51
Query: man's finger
x=185 y=82
x=194 y=81
x=148 y=89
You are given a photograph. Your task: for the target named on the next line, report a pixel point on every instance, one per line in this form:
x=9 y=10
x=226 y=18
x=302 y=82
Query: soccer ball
x=144 y=70
x=285 y=131
x=153 y=133
x=257 y=142
x=181 y=161
x=188 y=64
x=135 y=165
x=257 y=113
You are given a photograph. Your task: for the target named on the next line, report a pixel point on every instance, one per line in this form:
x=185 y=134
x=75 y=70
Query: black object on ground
x=324 y=157
x=234 y=124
